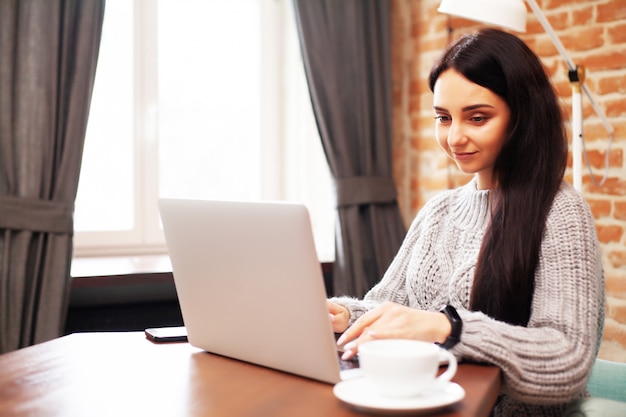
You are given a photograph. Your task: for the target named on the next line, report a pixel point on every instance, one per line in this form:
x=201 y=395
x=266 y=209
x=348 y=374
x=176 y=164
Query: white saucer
x=360 y=395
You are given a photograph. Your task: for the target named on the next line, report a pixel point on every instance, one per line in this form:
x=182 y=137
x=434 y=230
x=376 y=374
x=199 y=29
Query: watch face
x=450 y=311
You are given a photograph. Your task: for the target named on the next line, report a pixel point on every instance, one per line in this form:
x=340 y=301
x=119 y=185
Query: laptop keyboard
x=348 y=364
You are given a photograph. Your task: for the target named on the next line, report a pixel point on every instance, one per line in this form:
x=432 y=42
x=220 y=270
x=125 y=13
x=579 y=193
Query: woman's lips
x=463 y=156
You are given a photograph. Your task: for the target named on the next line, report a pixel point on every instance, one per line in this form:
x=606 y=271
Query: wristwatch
x=457 y=326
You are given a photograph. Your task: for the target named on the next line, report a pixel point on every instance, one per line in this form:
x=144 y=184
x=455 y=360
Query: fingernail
x=341 y=339
x=347 y=354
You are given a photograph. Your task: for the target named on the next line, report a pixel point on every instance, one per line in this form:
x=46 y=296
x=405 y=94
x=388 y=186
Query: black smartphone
x=167 y=334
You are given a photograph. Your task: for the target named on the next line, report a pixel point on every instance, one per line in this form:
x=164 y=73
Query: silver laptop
x=250 y=285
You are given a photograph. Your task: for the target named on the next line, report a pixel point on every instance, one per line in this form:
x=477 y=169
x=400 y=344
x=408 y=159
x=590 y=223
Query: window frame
x=147 y=236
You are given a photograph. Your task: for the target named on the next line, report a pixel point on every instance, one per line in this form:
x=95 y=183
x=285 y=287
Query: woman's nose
x=456 y=135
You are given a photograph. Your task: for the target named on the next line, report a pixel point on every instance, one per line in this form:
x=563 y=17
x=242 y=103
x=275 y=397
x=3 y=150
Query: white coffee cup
x=404 y=368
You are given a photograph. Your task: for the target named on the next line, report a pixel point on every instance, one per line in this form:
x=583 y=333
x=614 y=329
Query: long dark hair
x=527 y=173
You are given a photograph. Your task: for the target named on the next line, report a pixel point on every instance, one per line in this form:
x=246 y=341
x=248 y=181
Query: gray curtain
x=48 y=54
x=346 y=51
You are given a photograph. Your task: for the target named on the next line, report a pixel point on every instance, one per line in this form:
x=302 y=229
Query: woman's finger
x=352 y=348
x=363 y=322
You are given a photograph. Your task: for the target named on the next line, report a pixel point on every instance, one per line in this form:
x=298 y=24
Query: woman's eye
x=478 y=119
x=442 y=118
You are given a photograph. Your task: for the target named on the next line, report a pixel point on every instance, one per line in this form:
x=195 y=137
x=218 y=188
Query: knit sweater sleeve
x=549 y=361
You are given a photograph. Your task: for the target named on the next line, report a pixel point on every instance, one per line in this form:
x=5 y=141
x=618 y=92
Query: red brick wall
x=594 y=33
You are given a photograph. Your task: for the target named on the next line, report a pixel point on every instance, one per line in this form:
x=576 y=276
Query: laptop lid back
x=250 y=285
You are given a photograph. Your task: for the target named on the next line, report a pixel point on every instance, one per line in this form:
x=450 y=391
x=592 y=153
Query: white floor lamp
x=511 y=14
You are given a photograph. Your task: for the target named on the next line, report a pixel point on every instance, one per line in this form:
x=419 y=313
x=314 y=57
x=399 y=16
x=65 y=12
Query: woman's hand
x=395 y=321
x=339 y=316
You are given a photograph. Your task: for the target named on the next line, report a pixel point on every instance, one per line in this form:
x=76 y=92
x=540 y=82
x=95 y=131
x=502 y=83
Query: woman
x=513 y=255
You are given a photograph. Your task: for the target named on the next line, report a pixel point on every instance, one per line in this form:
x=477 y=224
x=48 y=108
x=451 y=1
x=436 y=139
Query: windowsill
x=104 y=266
x=98 y=266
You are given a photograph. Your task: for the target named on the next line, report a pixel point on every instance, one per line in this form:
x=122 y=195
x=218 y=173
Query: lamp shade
x=509 y=14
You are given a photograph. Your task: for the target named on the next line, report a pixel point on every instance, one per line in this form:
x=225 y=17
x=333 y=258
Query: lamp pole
x=576 y=78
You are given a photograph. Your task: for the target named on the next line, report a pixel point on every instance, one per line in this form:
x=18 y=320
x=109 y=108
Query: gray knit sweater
x=546 y=364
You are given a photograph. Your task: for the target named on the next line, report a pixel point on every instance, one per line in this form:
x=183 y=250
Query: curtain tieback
x=365 y=190
x=27 y=213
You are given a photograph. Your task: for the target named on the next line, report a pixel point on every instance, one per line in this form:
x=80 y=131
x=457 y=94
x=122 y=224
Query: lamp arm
x=577 y=141
x=568 y=60
x=550 y=31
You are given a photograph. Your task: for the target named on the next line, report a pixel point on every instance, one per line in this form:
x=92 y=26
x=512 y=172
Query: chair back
x=608 y=380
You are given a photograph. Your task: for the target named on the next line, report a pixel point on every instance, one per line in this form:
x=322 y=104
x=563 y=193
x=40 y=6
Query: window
x=196 y=99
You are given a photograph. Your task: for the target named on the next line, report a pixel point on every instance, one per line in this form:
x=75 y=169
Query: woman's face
x=471 y=124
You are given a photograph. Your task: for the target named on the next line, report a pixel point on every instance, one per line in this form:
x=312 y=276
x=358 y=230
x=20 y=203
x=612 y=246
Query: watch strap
x=457 y=327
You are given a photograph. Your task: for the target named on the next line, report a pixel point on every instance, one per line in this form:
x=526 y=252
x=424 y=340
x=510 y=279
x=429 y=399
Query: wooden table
x=124 y=374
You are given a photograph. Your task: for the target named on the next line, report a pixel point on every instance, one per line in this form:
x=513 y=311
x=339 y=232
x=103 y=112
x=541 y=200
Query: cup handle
x=452 y=365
